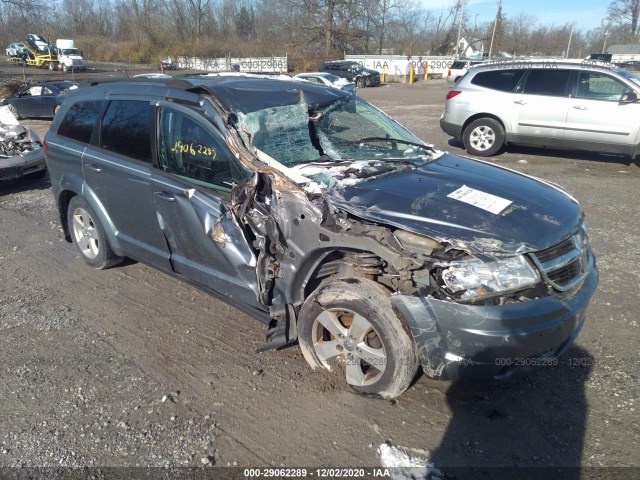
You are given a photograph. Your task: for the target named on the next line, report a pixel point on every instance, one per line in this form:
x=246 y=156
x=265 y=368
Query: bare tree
x=627 y=13
x=518 y=31
x=444 y=32
x=386 y=7
x=413 y=21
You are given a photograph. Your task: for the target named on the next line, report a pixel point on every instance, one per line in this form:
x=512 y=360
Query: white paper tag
x=480 y=199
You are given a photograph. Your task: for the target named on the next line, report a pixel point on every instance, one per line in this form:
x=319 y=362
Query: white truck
x=69 y=57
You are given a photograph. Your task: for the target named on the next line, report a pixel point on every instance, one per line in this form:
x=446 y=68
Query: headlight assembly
x=475 y=278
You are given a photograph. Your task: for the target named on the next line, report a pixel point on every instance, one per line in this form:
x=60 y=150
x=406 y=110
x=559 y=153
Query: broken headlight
x=475 y=278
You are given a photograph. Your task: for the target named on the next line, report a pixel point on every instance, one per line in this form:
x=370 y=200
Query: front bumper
x=19 y=165
x=491 y=343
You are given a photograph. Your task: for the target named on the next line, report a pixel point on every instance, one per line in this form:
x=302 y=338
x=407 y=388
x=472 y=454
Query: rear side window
x=458 y=65
x=501 y=80
x=547 y=81
x=126 y=129
x=80 y=120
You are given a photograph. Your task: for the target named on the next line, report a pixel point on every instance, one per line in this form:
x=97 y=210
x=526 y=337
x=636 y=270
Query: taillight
x=449 y=74
x=45 y=147
x=453 y=93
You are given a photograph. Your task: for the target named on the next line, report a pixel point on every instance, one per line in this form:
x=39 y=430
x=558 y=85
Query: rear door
x=597 y=118
x=117 y=170
x=192 y=194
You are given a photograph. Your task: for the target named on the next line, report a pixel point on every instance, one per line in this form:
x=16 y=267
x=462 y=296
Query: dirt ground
x=130 y=367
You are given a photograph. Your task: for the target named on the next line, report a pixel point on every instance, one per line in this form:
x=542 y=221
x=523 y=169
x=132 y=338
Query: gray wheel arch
x=64 y=197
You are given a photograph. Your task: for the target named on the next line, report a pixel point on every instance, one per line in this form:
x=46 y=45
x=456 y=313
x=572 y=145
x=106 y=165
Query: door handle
x=520 y=102
x=93 y=167
x=167 y=197
x=579 y=107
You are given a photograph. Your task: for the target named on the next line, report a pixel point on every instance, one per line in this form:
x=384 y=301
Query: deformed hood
x=491 y=210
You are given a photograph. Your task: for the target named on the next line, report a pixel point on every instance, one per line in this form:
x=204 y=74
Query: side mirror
x=629 y=97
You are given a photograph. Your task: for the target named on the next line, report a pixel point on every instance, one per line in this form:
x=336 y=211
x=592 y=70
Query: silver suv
x=585 y=105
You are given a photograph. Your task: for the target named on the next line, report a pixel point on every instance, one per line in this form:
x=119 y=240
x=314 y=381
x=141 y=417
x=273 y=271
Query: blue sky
x=586 y=14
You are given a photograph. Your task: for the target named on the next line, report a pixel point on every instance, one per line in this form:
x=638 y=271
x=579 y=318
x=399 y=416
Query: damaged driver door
x=192 y=192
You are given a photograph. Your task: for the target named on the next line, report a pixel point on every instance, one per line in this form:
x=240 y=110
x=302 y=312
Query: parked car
x=41 y=99
x=460 y=67
x=21 y=151
x=15 y=49
x=168 y=64
x=329 y=79
x=352 y=71
x=562 y=104
x=316 y=213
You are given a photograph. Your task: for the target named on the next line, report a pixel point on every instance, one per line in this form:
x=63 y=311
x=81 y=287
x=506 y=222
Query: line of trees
x=307 y=30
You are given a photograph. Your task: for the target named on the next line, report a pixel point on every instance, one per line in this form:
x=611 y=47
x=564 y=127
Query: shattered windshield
x=341 y=143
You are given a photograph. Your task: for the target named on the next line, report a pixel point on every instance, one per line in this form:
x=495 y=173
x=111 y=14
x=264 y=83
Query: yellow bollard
x=384 y=71
x=411 y=74
x=426 y=71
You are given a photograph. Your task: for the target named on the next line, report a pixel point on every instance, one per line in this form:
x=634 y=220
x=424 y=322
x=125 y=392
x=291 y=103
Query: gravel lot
x=129 y=367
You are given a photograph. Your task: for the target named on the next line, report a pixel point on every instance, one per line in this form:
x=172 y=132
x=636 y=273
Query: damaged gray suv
x=316 y=213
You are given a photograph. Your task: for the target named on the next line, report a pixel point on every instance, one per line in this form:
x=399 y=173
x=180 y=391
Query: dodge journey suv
x=316 y=213
x=577 y=105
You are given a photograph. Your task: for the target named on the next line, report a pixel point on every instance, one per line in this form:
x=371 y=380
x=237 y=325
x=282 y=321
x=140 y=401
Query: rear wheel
x=361 y=82
x=88 y=235
x=350 y=326
x=483 y=137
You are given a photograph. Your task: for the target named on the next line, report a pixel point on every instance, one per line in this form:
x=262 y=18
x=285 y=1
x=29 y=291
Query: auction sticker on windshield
x=477 y=198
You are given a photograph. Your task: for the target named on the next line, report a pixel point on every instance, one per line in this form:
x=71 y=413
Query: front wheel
x=14 y=110
x=483 y=137
x=88 y=235
x=361 y=82
x=350 y=326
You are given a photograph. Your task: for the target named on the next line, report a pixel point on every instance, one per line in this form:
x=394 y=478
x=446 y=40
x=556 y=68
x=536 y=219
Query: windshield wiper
x=386 y=139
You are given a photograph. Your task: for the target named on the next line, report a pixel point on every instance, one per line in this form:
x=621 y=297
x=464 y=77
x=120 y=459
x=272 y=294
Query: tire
x=51 y=65
x=14 y=110
x=483 y=137
x=343 y=322
x=361 y=82
x=88 y=235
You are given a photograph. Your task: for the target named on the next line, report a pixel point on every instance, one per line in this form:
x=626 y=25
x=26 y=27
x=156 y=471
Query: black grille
x=564 y=265
x=556 y=251
x=564 y=275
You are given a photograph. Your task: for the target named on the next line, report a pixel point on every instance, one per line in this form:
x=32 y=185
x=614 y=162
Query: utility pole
x=495 y=24
x=604 y=44
x=460 y=25
x=566 y=55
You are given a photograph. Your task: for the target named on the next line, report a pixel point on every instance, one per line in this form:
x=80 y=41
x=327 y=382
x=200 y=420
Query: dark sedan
x=42 y=99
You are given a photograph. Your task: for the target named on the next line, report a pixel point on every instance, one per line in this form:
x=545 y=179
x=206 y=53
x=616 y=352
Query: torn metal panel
x=20 y=148
x=206 y=242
